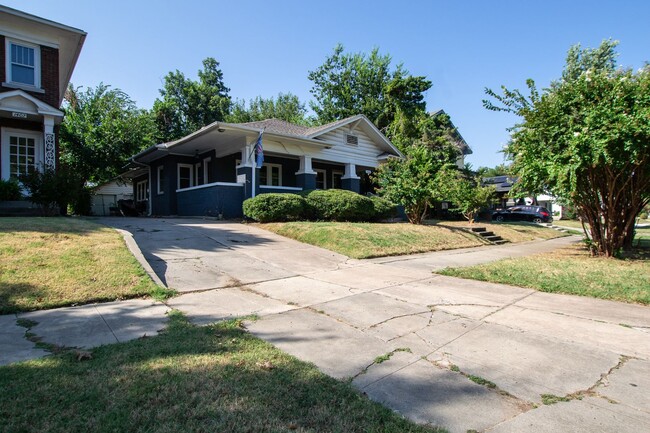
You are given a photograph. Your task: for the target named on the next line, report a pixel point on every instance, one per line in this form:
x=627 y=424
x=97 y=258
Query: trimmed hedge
x=339 y=205
x=274 y=207
x=325 y=205
x=384 y=209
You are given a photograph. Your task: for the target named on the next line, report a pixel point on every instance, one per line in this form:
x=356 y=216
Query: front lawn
x=55 y=262
x=569 y=270
x=365 y=240
x=216 y=378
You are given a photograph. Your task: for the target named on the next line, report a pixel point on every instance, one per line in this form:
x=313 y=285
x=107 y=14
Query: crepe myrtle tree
x=586 y=140
x=465 y=193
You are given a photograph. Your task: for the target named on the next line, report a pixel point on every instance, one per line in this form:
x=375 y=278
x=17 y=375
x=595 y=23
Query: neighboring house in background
x=458 y=139
x=106 y=196
x=210 y=171
x=503 y=184
x=37 y=57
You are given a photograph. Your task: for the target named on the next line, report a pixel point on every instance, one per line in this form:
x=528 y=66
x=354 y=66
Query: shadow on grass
x=214 y=378
x=13 y=297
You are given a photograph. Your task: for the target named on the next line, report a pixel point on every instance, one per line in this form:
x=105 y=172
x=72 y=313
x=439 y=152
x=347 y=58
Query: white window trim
x=320 y=170
x=334 y=172
x=205 y=169
x=37 y=64
x=178 y=174
x=267 y=167
x=38 y=143
x=142 y=193
x=197 y=170
x=159 y=171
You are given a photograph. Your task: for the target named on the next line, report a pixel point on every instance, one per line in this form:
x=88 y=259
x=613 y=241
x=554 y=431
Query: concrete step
x=486 y=234
x=478 y=229
x=493 y=238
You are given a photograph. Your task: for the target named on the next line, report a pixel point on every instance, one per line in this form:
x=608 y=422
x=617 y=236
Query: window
x=22 y=155
x=160 y=179
x=198 y=174
x=321 y=179
x=185 y=176
x=271 y=175
x=142 y=191
x=206 y=170
x=336 y=179
x=23 y=63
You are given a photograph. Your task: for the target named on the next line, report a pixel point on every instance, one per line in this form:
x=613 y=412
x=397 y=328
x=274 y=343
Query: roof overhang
x=30 y=28
x=224 y=138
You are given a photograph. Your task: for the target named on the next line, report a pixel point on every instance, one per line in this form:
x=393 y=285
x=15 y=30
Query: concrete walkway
x=436 y=331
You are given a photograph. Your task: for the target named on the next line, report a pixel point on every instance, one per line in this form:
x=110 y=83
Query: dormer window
x=23 y=63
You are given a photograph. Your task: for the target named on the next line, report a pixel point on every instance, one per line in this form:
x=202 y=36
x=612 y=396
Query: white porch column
x=305 y=165
x=49 y=142
x=350 y=171
x=246 y=156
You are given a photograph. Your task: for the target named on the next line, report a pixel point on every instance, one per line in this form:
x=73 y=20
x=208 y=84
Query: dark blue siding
x=211 y=201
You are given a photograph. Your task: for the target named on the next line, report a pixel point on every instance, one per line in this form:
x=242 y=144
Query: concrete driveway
x=413 y=340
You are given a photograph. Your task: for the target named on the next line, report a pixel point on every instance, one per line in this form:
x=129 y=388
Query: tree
x=411 y=182
x=585 y=140
x=350 y=84
x=499 y=170
x=186 y=105
x=466 y=194
x=101 y=130
x=286 y=106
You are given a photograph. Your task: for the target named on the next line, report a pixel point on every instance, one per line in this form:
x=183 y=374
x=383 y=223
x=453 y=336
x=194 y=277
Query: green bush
x=274 y=207
x=10 y=190
x=339 y=205
x=383 y=209
x=53 y=190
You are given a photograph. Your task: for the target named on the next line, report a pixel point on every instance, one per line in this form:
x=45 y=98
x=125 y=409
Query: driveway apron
x=461 y=354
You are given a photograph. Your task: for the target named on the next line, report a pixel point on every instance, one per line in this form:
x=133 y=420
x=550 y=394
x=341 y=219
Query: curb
x=135 y=250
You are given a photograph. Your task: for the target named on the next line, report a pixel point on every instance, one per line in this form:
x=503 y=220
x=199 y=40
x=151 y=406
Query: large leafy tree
x=102 y=128
x=187 y=105
x=286 y=106
x=349 y=84
x=466 y=194
x=586 y=139
x=412 y=181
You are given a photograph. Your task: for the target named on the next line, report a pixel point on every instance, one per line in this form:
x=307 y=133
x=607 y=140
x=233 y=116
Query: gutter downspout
x=142 y=164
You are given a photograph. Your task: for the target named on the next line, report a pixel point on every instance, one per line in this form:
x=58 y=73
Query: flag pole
x=254 y=167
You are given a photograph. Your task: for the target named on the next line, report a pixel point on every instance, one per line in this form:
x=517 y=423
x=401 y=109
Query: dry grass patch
x=511 y=231
x=366 y=240
x=570 y=270
x=54 y=262
x=216 y=378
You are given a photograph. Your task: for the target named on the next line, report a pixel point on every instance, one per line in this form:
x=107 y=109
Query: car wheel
x=537 y=220
x=498 y=218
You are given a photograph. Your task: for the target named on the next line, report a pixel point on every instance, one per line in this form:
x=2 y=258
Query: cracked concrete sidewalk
x=444 y=351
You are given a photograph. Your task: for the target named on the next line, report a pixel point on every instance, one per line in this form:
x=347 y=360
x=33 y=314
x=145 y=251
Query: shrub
x=383 y=209
x=339 y=205
x=274 y=207
x=10 y=190
x=53 y=190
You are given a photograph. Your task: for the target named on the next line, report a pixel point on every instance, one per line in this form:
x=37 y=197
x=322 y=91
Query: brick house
x=37 y=57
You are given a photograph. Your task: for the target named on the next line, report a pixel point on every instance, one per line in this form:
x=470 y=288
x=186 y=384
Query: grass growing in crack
x=480 y=381
x=549 y=399
x=56 y=262
x=188 y=378
x=385 y=357
x=26 y=323
x=454 y=367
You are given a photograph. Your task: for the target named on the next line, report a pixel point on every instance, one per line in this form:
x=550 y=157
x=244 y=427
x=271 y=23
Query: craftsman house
x=37 y=57
x=210 y=172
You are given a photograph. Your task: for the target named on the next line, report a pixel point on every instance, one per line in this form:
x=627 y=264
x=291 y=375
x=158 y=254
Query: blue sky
x=267 y=47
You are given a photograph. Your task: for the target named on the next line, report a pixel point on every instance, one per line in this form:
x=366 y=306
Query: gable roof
x=31 y=28
x=282 y=127
x=464 y=147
